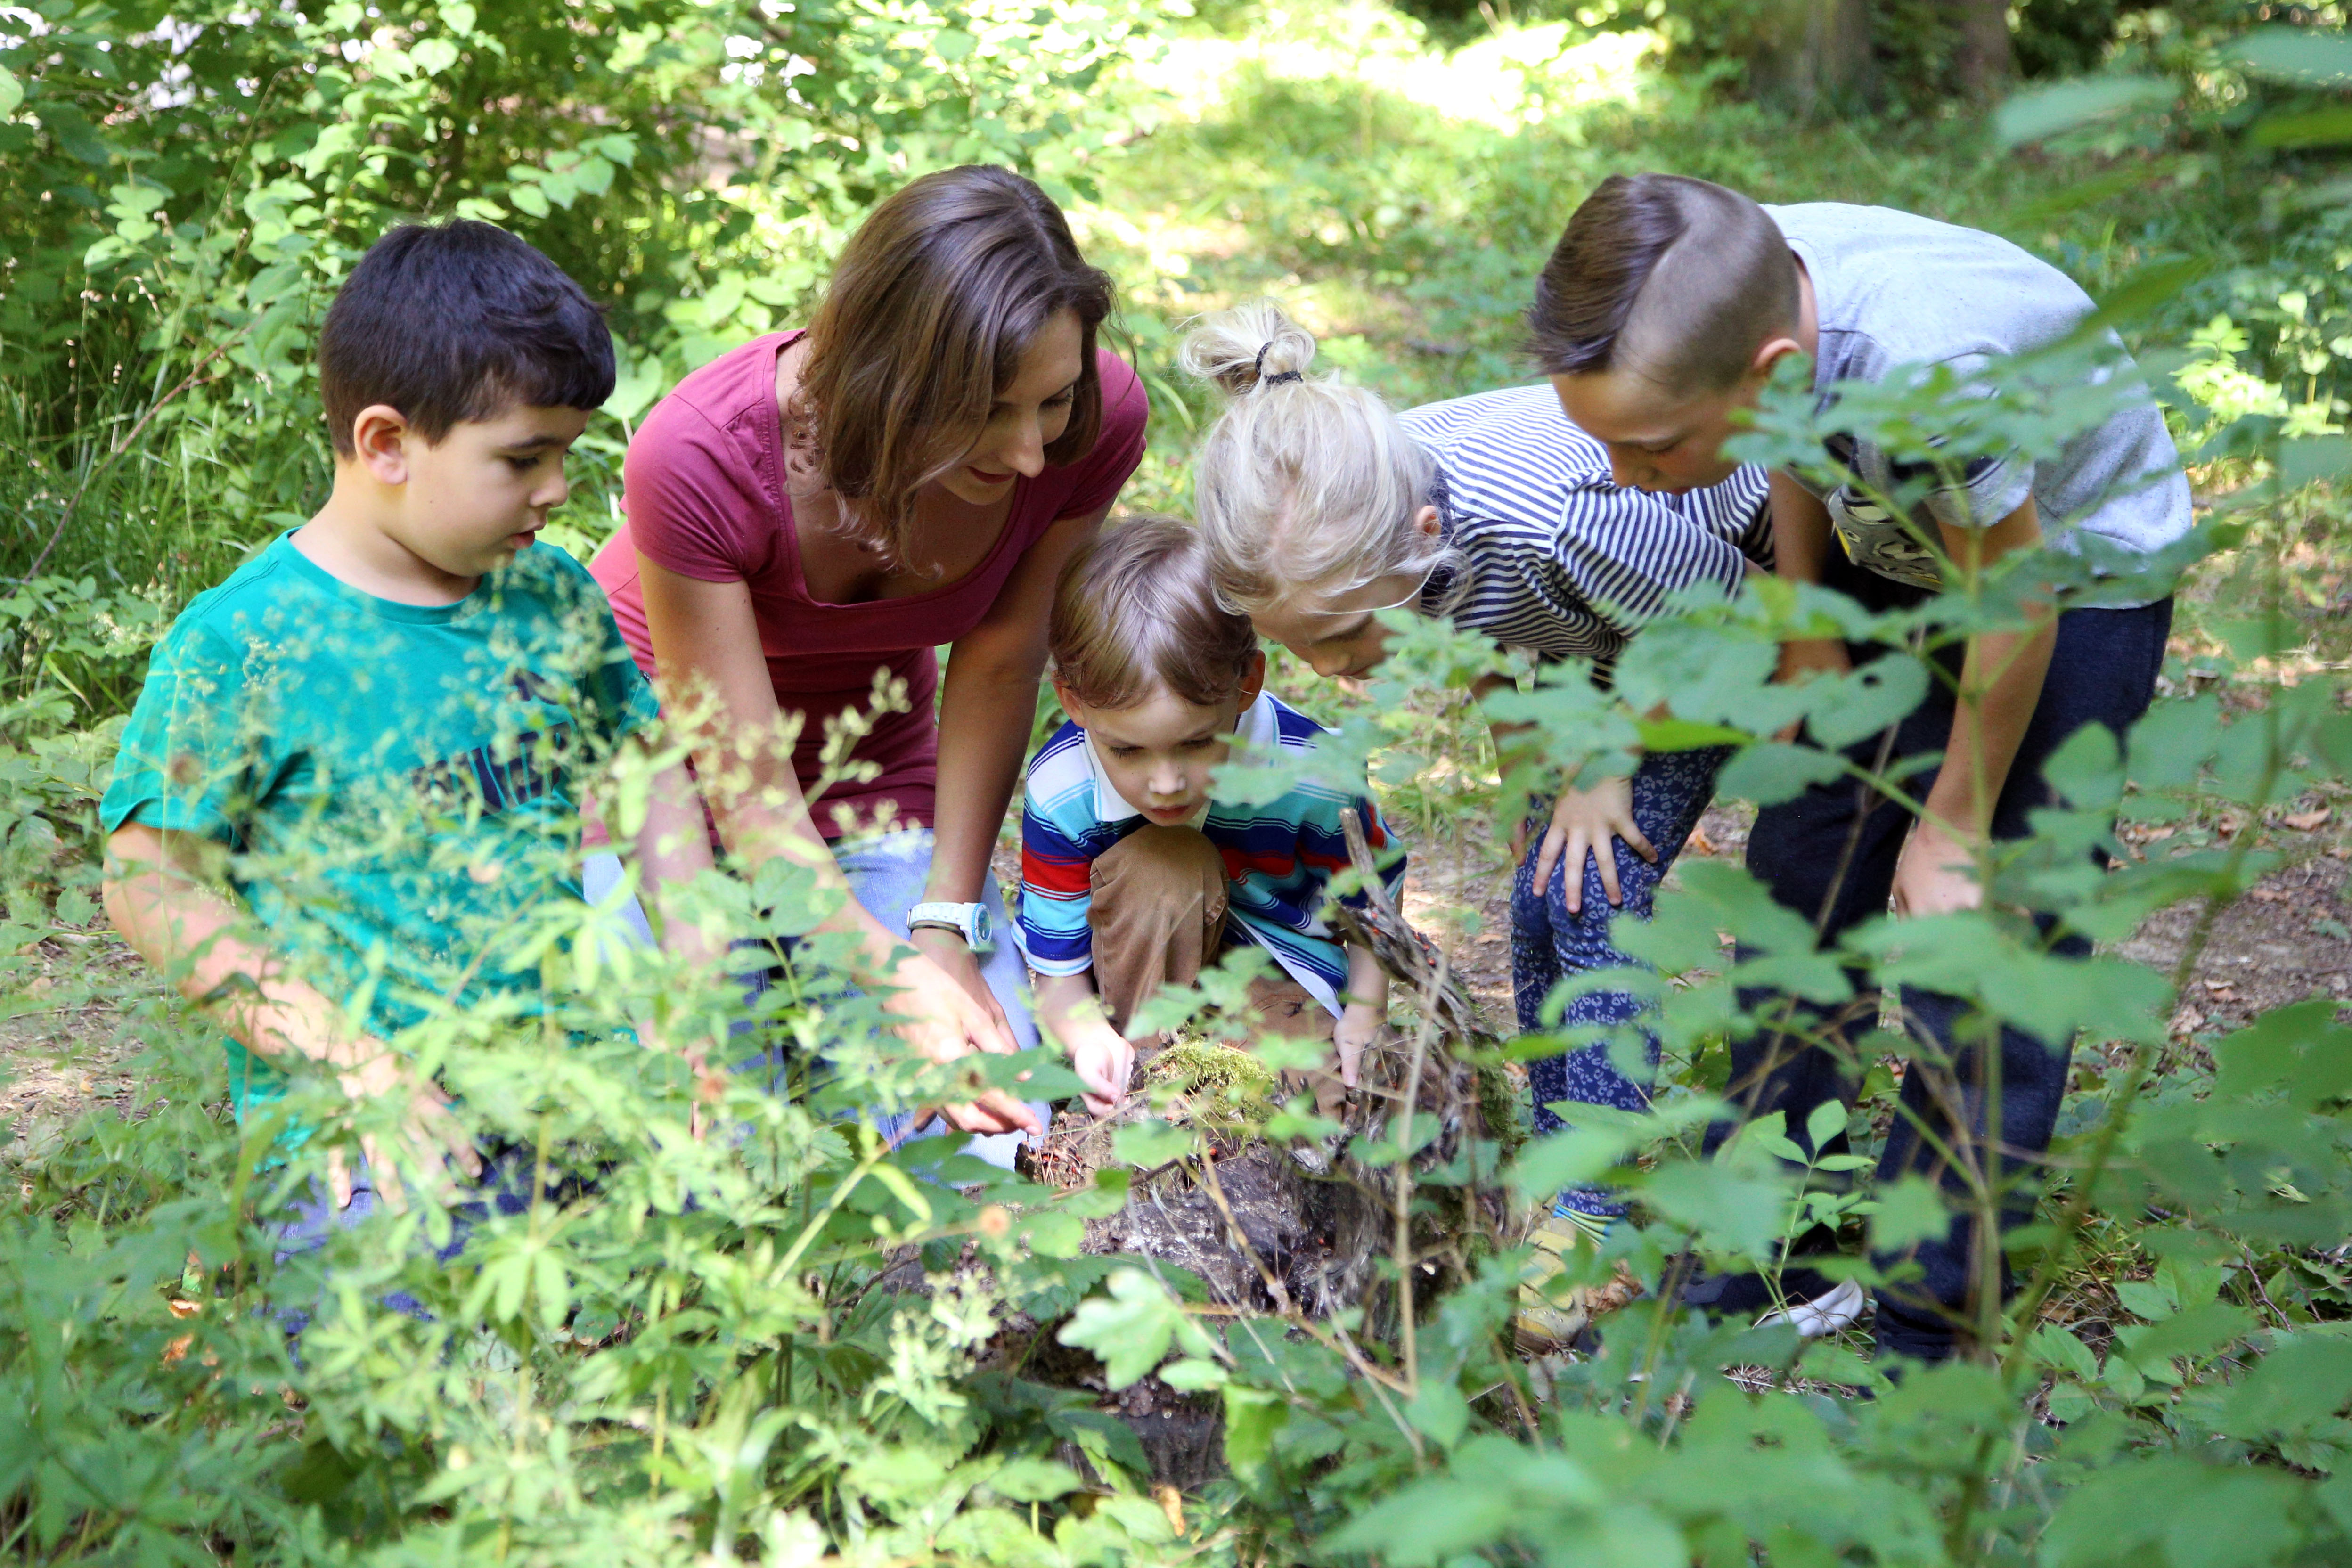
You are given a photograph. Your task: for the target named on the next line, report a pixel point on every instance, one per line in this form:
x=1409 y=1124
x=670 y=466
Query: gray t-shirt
x=1892 y=290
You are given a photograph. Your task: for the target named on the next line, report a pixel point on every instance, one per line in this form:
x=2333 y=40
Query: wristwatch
x=969 y=920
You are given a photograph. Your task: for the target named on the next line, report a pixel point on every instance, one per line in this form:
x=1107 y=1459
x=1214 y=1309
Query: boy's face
x=1657 y=440
x=1158 y=754
x=473 y=500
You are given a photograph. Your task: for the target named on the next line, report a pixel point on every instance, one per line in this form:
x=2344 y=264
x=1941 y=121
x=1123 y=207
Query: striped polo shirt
x=1561 y=558
x=1279 y=855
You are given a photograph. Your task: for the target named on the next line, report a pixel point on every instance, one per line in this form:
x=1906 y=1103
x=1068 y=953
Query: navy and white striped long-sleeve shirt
x=1561 y=558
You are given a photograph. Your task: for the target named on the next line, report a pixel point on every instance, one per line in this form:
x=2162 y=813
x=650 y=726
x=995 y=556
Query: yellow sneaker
x=1547 y=1322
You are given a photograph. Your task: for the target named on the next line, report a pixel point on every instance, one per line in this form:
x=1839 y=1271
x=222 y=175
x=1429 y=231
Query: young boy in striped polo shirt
x=1133 y=874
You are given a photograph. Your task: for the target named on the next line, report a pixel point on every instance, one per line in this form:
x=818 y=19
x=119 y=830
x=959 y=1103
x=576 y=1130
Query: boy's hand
x=432 y=1136
x=1104 y=1060
x=1360 y=1025
x=1936 y=874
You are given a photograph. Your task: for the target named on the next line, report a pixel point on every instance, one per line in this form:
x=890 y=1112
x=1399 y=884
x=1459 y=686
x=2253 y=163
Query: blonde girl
x=1322 y=507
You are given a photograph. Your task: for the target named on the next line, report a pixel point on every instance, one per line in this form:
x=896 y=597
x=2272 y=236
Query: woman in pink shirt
x=817 y=506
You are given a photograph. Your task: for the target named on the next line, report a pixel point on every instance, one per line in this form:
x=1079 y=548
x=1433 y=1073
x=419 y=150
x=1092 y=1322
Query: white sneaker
x=1824 y=1314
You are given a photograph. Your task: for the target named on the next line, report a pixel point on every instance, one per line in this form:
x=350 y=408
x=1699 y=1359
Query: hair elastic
x=1278 y=378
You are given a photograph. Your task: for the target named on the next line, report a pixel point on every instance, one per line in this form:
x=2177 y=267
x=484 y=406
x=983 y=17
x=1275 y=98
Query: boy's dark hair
x=1137 y=608
x=455 y=321
x=1677 y=279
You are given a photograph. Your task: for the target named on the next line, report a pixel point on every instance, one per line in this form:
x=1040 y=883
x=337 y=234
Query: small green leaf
x=1151 y=1143
x=1193 y=1374
x=2039 y=114
x=953 y=43
x=1910 y=1212
x=1827 y=1121
x=1440 y=1413
x=1770 y=772
x=12 y=92
x=1252 y=1418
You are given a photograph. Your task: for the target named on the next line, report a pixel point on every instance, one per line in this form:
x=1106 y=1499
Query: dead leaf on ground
x=2304 y=821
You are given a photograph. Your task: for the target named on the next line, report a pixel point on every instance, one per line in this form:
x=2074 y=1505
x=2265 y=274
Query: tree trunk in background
x=1818 y=56
x=1985 y=58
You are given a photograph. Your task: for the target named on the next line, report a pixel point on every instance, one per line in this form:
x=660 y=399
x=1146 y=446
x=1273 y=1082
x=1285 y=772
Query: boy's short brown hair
x=1137 y=608
x=1675 y=279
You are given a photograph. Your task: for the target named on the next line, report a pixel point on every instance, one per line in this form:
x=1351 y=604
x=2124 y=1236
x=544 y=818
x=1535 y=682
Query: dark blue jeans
x=1830 y=854
x=504 y=1187
x=1670 y=791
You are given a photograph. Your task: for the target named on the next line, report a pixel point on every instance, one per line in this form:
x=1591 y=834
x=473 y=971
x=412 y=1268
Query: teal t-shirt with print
x=395 y=785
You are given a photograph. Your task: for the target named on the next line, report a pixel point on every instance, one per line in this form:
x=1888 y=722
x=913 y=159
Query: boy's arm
x=2001 y=685
x=1070 y=1013
x=1802 y=537
x=157 y=897
x=1365 y=1012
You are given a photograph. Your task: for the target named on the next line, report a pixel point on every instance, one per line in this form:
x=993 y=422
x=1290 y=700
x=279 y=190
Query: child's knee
x=1173 y=871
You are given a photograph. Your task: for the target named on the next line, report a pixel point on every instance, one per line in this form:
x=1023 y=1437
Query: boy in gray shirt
x=1895 y=292
x=1659 y=318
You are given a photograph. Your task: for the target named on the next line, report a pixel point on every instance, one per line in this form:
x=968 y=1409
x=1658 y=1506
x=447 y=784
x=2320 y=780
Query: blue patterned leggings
x=1671 y=790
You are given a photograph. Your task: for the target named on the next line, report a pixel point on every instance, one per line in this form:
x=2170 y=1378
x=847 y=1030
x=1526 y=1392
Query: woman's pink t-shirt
x=703 y=486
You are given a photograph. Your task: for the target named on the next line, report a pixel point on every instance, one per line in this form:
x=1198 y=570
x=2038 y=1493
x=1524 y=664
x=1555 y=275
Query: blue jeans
x=504 y=1187
x=1671 y=790
x=887 y=875
x=1830 y=854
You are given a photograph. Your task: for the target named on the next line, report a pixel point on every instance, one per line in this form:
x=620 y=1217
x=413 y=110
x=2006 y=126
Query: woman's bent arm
x=716 y=684
x=988 y=704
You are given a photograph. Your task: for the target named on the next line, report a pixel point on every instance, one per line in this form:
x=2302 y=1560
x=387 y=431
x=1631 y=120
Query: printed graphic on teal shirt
x=395 y=784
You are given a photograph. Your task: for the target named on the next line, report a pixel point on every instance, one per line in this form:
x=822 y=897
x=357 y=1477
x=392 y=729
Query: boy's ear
x=380 y=438
x=1069 y=704
x=1254 y=678
x=1773 y=351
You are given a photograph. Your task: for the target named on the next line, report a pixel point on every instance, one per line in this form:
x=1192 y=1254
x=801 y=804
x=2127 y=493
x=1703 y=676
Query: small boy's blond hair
x=1137 y=609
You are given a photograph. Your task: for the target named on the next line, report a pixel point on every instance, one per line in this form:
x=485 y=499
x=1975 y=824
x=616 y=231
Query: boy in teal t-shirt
x=362 y=754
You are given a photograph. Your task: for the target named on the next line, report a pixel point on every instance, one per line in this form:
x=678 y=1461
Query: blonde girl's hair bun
x=1302 y=482
x=1249 y=348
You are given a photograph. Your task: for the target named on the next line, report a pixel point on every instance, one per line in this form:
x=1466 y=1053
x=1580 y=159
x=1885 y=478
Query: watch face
x=980 y=935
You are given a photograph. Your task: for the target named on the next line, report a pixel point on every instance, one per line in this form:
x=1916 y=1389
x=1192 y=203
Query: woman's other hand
x=944 y=1022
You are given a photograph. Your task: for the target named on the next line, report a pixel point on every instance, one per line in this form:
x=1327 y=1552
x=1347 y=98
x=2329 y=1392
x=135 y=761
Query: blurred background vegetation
x=184 y=187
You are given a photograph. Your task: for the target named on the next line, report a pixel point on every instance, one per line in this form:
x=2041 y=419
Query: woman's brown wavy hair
x=935 y=299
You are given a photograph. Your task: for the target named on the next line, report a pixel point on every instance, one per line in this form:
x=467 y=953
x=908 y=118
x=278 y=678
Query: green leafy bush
x=188 y=185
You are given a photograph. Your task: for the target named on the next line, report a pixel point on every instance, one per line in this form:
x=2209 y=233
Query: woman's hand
x=1936 y=873
x=943 y=1022
x=1583 y=821
x=953 y=954
x=1360 y=1025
